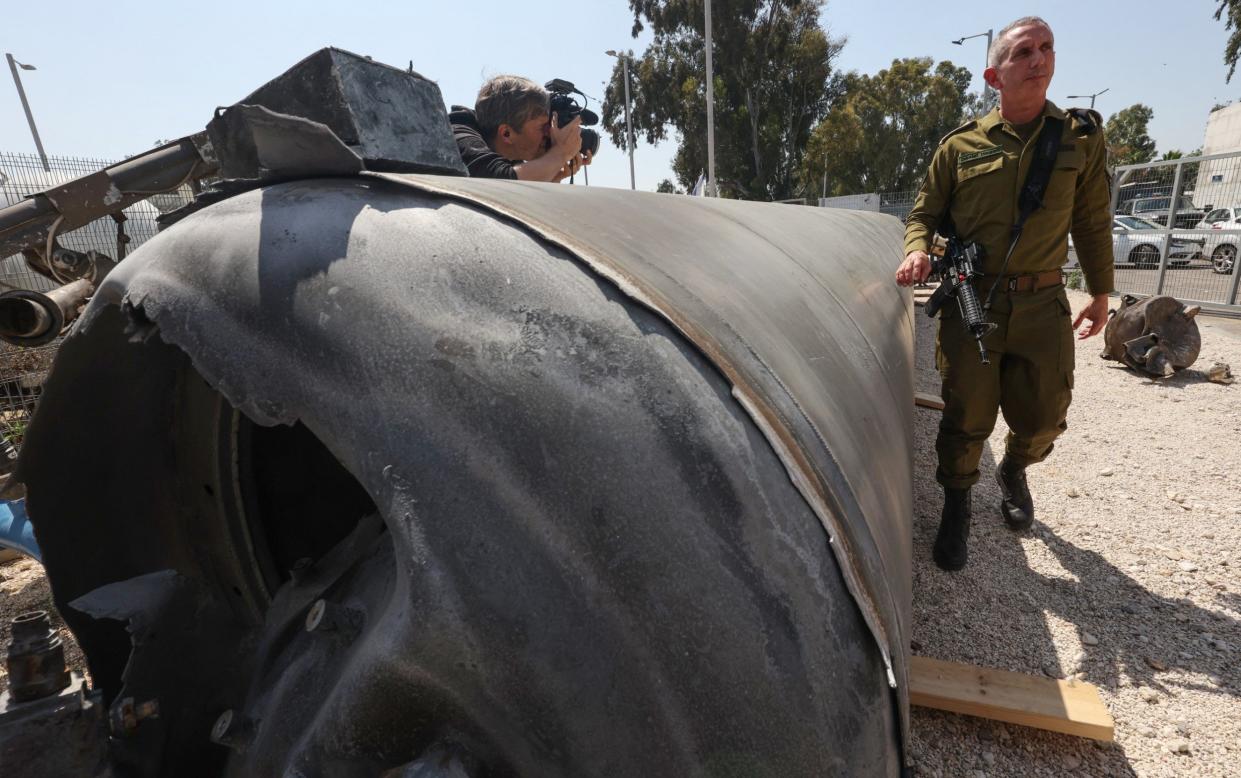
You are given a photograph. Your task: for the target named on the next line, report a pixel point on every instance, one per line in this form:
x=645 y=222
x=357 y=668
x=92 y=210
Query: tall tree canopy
x=1232 y=49
x=772 y=64
x=1127 y=140
x=880 y=135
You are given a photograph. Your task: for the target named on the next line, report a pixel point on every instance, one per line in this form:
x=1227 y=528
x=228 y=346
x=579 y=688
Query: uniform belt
x=1030 y=282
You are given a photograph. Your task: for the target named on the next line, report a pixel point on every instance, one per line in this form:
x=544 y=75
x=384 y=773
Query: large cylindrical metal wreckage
x=363 y=467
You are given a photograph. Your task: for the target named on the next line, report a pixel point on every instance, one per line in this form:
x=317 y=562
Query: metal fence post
x=1167 y=231
x=1232 y=290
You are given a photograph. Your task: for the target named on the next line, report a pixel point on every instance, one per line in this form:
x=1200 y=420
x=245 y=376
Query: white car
x=1221 y=247
x=1139 y=242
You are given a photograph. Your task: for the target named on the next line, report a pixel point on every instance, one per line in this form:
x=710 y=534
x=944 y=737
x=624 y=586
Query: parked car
x=1136 y=241
x=1218 y=246
x=1156 y=209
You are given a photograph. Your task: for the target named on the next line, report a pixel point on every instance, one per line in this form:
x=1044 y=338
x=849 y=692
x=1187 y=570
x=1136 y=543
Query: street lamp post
x=986 y=62
x=17 y=80
x=711 y=190
x=1092 y=97
x=624 y=58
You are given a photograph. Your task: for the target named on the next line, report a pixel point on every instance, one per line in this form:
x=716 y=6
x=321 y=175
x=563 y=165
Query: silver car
x=1139 y=242
x=1219 y=246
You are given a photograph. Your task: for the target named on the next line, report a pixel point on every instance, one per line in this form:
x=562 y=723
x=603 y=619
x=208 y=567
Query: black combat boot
x=950 y=551
x=1016 y=504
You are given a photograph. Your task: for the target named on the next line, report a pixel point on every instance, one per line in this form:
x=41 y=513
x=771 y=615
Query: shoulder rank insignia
x=1086 y=121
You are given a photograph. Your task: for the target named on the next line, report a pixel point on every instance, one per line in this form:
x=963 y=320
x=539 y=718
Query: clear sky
x=115 y=76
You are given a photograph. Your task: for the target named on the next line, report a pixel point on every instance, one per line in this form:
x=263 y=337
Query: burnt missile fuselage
x=400 y=470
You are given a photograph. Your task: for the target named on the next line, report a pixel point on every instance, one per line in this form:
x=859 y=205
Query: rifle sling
x=1032 y=191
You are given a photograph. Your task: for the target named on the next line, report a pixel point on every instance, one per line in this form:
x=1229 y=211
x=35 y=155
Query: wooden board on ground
x=1071 y=707
x=924 y=400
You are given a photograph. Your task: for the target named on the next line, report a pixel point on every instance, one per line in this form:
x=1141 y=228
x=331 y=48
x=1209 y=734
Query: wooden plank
x=924 y=400
x=1071 y=707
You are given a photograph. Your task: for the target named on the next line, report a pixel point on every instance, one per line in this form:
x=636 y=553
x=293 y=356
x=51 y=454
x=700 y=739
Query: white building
x=1219 y=180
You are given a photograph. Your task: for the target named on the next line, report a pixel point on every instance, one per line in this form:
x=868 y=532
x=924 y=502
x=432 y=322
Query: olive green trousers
x=1030 y=378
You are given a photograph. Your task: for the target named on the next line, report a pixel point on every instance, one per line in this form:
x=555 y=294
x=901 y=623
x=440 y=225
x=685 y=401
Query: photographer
x=512 y=134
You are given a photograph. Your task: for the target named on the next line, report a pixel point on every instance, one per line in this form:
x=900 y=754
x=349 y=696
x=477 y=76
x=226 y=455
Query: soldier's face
x=1027 y=67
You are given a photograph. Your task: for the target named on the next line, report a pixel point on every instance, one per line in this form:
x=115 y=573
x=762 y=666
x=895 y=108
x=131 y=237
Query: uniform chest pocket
x=1063 y=180
x=979 y=186
x=973 y=171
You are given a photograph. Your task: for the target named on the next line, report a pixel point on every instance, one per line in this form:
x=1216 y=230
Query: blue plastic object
x=15 y=528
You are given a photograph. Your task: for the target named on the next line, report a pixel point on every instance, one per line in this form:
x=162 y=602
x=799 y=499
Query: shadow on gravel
x=1163 y=633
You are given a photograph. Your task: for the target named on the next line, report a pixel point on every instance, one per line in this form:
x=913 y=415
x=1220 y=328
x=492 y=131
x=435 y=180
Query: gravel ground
x=1130 y=578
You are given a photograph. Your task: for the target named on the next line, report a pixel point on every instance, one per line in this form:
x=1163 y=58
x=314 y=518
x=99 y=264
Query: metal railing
x=23 y=371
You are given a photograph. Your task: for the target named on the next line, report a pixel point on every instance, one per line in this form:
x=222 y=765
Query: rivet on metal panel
x=325 y=616
x=234 y=730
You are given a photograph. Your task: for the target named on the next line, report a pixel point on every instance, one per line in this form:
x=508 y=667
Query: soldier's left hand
x=1096 y=314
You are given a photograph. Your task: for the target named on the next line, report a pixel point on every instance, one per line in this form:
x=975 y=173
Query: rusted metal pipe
x=79 y=202
x=29 y=318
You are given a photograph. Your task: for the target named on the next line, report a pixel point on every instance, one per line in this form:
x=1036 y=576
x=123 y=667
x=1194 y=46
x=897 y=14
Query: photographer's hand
x=552 y=165
x=566 y=141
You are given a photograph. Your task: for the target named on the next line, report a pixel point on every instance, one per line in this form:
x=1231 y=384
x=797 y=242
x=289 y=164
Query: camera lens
x=590 y=140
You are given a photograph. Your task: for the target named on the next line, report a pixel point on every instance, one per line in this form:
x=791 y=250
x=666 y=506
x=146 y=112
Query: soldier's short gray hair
x=510 y=100
x=999 y=49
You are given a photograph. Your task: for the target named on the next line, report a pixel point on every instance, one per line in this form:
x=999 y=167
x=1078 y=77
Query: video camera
x=566 y=109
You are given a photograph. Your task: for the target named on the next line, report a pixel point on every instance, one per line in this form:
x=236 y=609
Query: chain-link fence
x=897 y=204
x=1177 y=228
x=23 y=371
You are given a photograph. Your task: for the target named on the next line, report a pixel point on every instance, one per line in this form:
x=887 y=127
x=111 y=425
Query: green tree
x=772 y=64
x=1127 y=140
x=1232 y=49
x=667 y=187
x=880 y=135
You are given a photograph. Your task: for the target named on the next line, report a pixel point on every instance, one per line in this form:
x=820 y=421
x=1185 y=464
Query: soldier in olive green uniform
x=975 y=177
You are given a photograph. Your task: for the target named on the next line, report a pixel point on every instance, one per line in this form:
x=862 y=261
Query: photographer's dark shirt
x=478 y=157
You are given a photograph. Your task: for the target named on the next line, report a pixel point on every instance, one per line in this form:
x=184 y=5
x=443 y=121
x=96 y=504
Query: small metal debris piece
x=1220 y=373
x=125 y=716
x=36 y=658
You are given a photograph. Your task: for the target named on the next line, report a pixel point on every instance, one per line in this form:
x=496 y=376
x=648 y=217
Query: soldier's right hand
x=915 y=268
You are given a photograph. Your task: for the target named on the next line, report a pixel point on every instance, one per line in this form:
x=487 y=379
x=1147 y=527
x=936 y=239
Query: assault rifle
x=961 y=263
